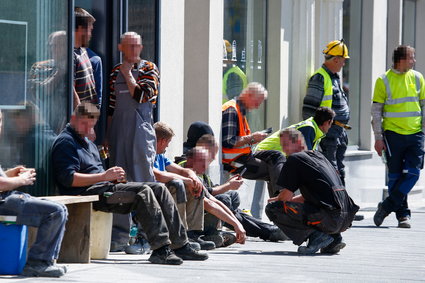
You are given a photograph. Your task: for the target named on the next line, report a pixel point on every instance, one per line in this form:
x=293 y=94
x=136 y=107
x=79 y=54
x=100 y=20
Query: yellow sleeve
x=379 y=93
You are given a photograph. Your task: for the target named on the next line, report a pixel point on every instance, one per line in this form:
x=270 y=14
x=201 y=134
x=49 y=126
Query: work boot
x=404 y=222
x=335 y=246
x=277 y=235
x=188 y=253
x=164 y=255
x=194 y=245
x=228 y=239
x=43 y=268
x=380 y=215
x=316 y=241
x=216 y=238
x=195 y=236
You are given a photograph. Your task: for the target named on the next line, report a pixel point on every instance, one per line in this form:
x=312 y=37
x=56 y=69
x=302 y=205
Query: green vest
x=327 y=96
x=402 y=110
x=273 y=142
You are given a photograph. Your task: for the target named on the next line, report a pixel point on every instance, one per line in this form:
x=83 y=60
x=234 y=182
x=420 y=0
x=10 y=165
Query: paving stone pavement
x=385 y=254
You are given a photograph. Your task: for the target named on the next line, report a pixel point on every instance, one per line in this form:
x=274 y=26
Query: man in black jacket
x=322 y=211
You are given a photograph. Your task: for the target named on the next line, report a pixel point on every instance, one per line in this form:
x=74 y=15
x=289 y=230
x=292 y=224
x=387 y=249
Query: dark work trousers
x=264 y=165
x=333 y=146
x=252 y=226
x=405 y=157
x=154 y=209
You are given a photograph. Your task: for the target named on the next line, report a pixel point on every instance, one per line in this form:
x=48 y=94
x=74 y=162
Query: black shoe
x=277 y=235
x=196 y=237
x=358 y=217
x=164 y=255
x=228 y=239
x=316 y=241
x=194 y=245
x=334 y=247
x=188 y=253
x=42 y=268
x=380 y=215
x=216 y=238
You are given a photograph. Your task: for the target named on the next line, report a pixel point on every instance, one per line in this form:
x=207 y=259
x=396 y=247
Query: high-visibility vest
x=231 y=154
x=234 y=70
x=402 y=110
x=273 y=141
x=327 y=86
x=311 y=123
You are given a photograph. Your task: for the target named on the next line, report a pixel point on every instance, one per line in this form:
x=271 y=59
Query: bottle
x=384 y=157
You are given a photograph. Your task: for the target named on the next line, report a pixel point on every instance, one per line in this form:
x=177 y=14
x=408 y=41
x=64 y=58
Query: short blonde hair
x=163 y=131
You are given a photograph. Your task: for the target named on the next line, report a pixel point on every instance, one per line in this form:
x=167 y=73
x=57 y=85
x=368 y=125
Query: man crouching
x=323 y=210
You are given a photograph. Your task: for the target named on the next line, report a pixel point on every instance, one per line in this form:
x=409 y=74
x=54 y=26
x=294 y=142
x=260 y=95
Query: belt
x=342 y=125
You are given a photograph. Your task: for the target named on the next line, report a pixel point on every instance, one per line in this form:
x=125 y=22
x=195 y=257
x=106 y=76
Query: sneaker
x=334 y=247
x=404 y=222
x=316 y=241
x=42 y=268
x=187 y=253
x=164 y=255
x=115 y=247
x=277 y=235
x=358 y=217
x=380 y=215
x=196 y=237
x=140 y=247
x=216 y=238
x=228 y=239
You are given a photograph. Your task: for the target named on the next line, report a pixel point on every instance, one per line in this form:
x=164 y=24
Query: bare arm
x=218 y=209
x=165 y=176
x=23 y=178
x=234 y=183
x=83 y=180
x=197 y=185
x=287 y=195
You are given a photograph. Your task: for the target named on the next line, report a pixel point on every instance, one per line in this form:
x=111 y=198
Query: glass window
x=33 y=75
x=244 y=51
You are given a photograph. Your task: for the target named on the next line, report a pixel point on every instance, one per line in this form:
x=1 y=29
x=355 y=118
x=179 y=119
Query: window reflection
x=244 y=46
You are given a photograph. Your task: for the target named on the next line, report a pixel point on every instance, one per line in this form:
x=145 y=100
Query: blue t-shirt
x=161 y=162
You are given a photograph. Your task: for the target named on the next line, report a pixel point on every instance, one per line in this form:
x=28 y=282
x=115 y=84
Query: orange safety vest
x=231 y=154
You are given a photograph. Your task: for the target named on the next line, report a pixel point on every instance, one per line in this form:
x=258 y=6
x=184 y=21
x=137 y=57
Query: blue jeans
x=405 y=154
x=50 y=218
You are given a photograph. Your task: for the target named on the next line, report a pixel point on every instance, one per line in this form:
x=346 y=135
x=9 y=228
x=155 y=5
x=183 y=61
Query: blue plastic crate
x=13 y=248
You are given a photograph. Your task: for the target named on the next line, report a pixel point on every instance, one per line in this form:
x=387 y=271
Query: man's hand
x=126 y=68
x=240 y=234
x=114 y=173
x=235 y=182
x=284 y=195
x=259 y=136
x=27 y=177
x=379 y=146
x=14 y=172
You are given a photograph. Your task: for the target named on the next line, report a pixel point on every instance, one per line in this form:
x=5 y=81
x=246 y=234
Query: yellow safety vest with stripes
x=401 y=95
x=328 y=88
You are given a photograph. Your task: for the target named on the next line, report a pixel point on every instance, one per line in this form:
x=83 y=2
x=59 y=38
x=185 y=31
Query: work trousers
x=405 y=157
x=253 y=226
x=154 y=209
x=48 y=216
x=264 y=165
x=334 y=146
x=191 y=209
x=292 y=219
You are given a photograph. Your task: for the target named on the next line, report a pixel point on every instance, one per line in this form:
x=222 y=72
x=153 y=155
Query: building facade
x=194 y=42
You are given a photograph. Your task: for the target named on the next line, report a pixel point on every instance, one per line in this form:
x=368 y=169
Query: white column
x=328 y=26
x=395 y=24
x=203 y=56
x=171 y=65
x=279 y=27
x=302 y=58
x=373 y=61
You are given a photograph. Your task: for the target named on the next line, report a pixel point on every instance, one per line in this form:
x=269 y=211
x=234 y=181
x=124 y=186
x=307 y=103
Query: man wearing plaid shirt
x=237 y=140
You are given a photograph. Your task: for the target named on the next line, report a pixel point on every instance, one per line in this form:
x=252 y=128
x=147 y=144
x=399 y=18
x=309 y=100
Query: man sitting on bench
x=78 y=170
x=48 y=216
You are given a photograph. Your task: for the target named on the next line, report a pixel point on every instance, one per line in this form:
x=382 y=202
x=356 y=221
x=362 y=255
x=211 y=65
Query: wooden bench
x=88 y=232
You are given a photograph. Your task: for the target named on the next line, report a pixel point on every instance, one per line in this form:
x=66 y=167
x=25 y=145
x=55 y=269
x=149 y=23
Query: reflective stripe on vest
x=327 y=87
x=401 y=100
x=230 y=154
